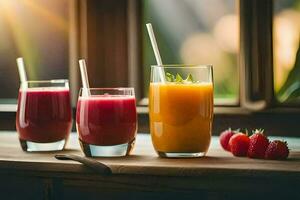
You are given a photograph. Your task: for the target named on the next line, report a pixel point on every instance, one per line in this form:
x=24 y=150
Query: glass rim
x=189 y=66
x=109 y=88
x=48 y=81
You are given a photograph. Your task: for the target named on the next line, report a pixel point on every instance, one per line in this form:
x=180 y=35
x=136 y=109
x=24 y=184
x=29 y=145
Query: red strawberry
x=277 y=150
x=258 y=145
x=225 y=137
x=239 y=144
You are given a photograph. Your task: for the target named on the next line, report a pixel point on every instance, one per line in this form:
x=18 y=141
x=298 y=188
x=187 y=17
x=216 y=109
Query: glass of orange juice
x=181 y=109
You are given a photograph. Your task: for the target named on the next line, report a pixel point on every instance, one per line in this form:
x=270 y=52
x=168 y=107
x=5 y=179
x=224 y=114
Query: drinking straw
x=21 y=69
x=84 y=78
x=156 y=51
x=23 y=79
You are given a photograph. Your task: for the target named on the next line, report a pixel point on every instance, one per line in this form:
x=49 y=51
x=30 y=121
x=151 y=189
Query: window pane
x=38 y=31
x=195 y=32
x=286 y=39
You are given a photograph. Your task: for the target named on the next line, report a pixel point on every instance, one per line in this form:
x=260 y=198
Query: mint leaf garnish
x=170 y=77
x=178 y=78
x=190 y=78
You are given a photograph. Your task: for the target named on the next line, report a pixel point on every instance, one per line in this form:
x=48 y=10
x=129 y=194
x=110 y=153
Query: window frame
x=256 y=54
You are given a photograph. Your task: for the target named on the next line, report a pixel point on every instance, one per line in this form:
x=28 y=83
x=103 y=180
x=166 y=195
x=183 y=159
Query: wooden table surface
x=145 y=171
x=144 y=160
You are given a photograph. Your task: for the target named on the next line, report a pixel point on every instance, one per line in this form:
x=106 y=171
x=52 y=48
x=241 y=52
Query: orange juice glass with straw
x=181 y=109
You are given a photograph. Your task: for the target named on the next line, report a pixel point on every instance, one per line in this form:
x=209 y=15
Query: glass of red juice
x=44 y=116
x=106 y=121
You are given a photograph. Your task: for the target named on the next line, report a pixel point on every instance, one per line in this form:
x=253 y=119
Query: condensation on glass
x=192 y=32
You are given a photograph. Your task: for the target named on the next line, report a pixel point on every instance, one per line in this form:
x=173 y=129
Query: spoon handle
x=92 y=164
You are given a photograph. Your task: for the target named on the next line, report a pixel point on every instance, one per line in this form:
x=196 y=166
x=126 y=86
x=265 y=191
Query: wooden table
x=146 y=176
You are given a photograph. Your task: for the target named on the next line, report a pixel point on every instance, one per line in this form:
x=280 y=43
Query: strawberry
x=277 y=150
x=225 y=137
x=258 y=144
x=239 y=144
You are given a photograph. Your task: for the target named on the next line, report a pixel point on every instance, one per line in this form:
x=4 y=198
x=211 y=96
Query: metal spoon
x=92 y=164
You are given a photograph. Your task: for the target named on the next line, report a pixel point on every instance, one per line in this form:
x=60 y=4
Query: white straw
x=23 y=79
x=154 y=44
x=84 y=78
x=156 y=51
x=21 y=69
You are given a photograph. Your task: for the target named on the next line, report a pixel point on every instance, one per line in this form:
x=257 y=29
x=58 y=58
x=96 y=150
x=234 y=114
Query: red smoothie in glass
x=44 y=114
x=106 y=120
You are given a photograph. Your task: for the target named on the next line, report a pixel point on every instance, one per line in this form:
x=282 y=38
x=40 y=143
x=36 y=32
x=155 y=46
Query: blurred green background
x=195 y=32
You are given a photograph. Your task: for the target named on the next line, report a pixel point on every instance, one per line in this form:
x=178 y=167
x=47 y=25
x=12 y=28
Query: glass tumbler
x=106 y=121
x=44 y=117
x=181 y=109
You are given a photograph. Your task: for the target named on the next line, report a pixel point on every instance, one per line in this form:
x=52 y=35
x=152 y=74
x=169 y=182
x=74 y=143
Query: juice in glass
x=106 y=122
x=44 y=118
x=181 y=116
